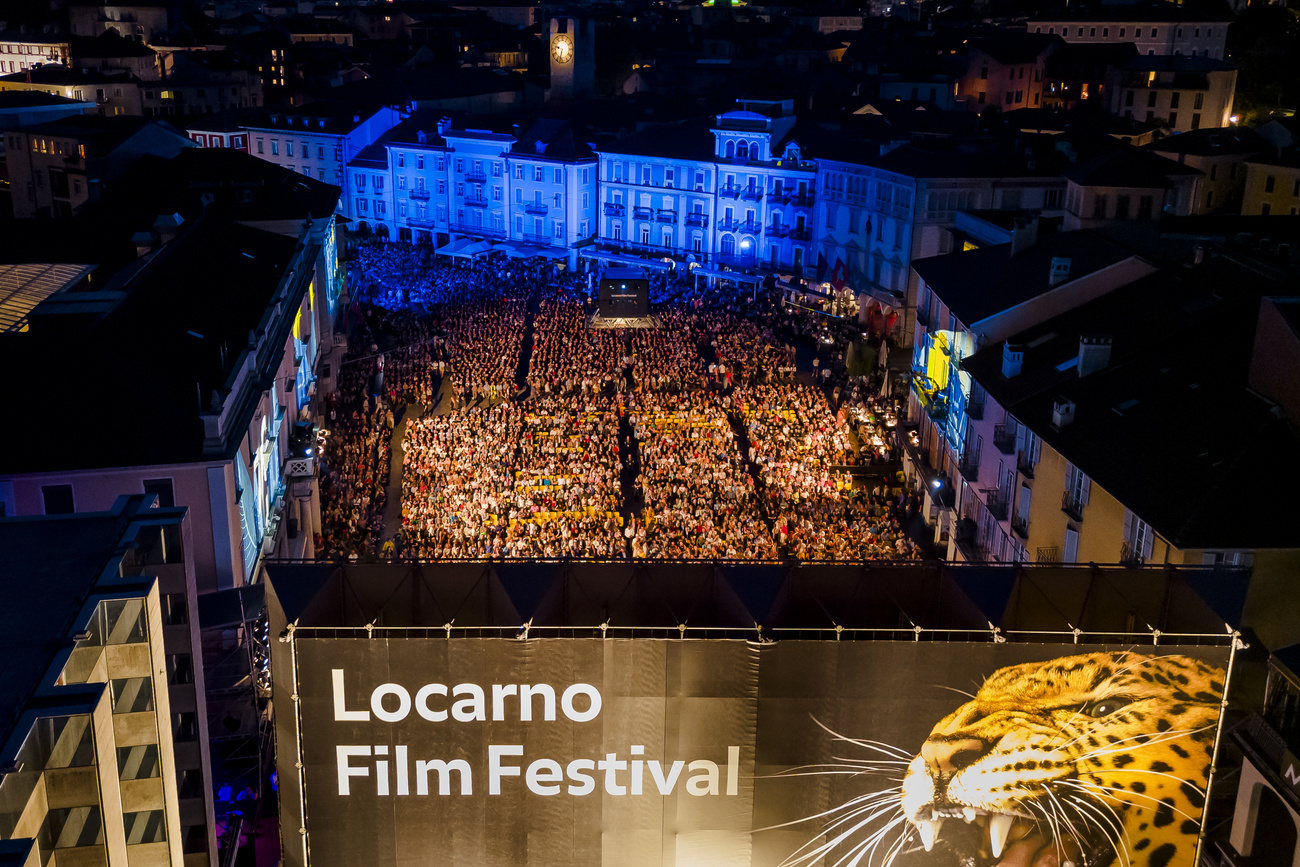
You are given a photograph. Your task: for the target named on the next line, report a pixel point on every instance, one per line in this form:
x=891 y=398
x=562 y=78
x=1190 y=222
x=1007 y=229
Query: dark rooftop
x=1128 y=167
x=977 y=284
x=691 y=140
x=1169 y=427
x=177 y=307
x=1211 y=142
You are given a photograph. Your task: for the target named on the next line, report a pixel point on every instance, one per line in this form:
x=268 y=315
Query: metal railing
x=997 y=504
x=615 y=209
x=420 y=194
x=642 y=213
x=698 y=221
x=421 y=222
x=1020 y=526
x=804 y=234
x=476 y=202
x=475 y=175
x=537 y=208
x=1004 y=438
x=664 y=215
x=728 y=224
x=1072 y=505
x=1025 y=464
x=975 y=410
x=1129 y=555
x=753 y=194
x=1048 y=555
x=969 y=465
x=730 y=191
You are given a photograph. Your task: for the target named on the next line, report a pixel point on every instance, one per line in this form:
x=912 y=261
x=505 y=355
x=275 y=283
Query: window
x=1196 y=121
x=669 y=175
x=1092 y=31
x=981 y=97
x=1077 y=486
x=320 y=152
x=1009 y=96
x=401 y=161
x=537 y=174
x=1137 y=31
x=1269 y=183
x=180 y=668
x=137 y=763
x=288 y=148
x=145 y=827
x=58 y=498
x=1209 y=200
x=1121 y=33
x=401 y=182
x=559 y=230
x=558 y=175
x=1121 y=207
x=984 y=73
x=275 y=147
x=558 y=199
x=1264 y=209
x=496 y=193
x=699 y=182
x=1155 y=31
x=361 y=206
x=1128 y=99
x=1144 y=208
x=519 y=173
x=1199 y=102
x=175 y=611
x=1138 y=537
x=73 y=827
x=1174 y=99
x=1151 y=99
x=586 y=200
x=185 y=726
x=1099 y=207
x=132 y=694
x=460 y=166
x=259 y=146
x=496 y=170
x=419 y=161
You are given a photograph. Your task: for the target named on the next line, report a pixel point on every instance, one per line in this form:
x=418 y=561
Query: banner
x=648 y=752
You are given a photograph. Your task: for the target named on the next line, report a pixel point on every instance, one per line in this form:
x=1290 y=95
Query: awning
x=529 y=251
x=453 y=247
x=475 y=249
x=627 y=260
x=738 y=276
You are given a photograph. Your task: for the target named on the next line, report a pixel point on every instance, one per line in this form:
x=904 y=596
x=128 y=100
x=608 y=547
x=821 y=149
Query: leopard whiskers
x=1111 y=826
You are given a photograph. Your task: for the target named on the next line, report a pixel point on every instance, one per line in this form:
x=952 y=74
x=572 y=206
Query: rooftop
x=1128 y=167
x=691 y=140
x=1140 y=12
x=173 y=305
x=977 y=284
x=1211 y=142
x=22 y=287
x=1169 y=427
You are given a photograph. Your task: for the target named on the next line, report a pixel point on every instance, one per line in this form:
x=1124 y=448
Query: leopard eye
x=1105 y=707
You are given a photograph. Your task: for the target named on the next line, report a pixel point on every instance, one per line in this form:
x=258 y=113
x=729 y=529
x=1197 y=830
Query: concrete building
x=21 y=50
x=114 y=93
x=1127 y=183
x=319 y=140
x=230 y=278
x=1186 y=93
x=1155 y=28
x=1006 y=71
x=57 y=167
x=141 y=20
x=1220 y=155
x=104 y=710
x=1097 y=423
x=1272 y=185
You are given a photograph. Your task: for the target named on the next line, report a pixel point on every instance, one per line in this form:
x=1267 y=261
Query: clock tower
x=571 y=49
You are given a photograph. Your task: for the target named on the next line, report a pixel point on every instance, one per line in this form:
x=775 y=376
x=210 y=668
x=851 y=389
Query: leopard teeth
x=969 y=814
x=999 y=829
x=929 y=830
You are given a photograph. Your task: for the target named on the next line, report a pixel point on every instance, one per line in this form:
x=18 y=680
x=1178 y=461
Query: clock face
x=562 y=49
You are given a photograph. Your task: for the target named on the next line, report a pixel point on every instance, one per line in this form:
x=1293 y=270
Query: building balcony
x=642 y=213
x=421 y=222
x=1025 y=464
x=541 y=240
x=792 y=197
x=476 y=176
x=728 y=224
x=697 y=221
x=537 y=209
x=750 y=227
x=615 y=209
x=479 y=231
x=777 y=230
x=476 y=202
x=1047 y=555
x=1072 y=505
x=422 y=195
x=737 y=260
x=1020 y=526
x=996 y=504
x=1004 y=438
x=730 y=191
x=804 y=234
x=664 y=215
x=751 y=194
x=971 y=549
x=1128 y=555
x=969 y=465
x=975 y=410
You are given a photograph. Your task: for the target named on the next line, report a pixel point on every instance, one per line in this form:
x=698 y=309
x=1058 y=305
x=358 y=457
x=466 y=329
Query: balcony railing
x=971 y=550
x=792 y=197
x=728 y=224
x=751 y=227
x=663 y=215
x=615 y=209
x=420 y=194
x=996 y=504
x=476 y=202
x=969 y=465
x=421 y=222
x=1072 y=505
x=1025 y=464
x=975 y=410
x=1048 y=555
x=539 y=209
x=534 y=238
x=752 y=194
x=481 y=231
x=1020 y=526
x=698 y=221
x=1004 y=438
x=804 y=234
x=777 y=230
x=730 y=191
x=641 y=213
x=475 y=175
x=1129 y=555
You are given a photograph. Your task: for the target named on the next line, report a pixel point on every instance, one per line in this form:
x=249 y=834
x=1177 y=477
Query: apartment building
x=21 y=50
x=1105 y=444
x=1128 y=183
x=1154 y=28
x=1006 y=71
x=1184 y=93
x=1272 y=185
x=1220 y=155
x=103 y=702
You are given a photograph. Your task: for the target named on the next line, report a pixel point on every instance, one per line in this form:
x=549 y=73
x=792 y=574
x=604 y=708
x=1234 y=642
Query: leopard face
x=1092 y=760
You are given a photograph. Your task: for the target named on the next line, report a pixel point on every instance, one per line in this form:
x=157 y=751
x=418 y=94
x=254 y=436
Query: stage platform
x=595 y=320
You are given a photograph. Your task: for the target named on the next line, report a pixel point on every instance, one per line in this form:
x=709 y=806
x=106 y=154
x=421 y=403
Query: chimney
x=443 y=125
x=1024 y=235
x=1094 y=354
x=1062 y=412
x=1060 y=271
x=1013 y=357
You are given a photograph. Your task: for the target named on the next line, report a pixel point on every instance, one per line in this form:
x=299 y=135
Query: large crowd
x=530 y=434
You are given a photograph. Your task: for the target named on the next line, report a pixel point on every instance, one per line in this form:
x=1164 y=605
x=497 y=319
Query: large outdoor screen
x=423 y=751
